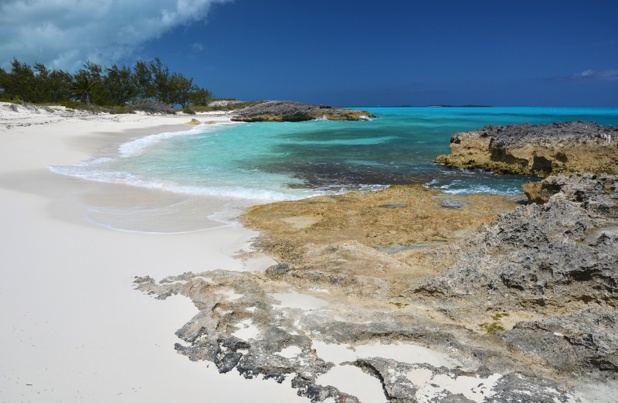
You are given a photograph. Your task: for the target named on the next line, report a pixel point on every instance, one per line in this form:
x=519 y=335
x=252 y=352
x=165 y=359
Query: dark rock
x=516 y=388
x=287 y=111
x=278 y=269
x=393 y=206
x=400 y=387
x=575 y=343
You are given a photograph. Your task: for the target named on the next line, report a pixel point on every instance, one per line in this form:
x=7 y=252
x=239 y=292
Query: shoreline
x=74 y=326
x=318 y=313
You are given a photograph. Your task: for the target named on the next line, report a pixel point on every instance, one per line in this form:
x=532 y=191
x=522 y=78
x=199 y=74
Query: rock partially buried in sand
x=523 y=308
x=536 y=149
x=193 y=122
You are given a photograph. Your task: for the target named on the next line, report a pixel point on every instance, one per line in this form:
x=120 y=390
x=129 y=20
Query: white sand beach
x=73 y=328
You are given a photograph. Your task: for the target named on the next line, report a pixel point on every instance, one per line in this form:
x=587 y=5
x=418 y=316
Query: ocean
x=251 y=163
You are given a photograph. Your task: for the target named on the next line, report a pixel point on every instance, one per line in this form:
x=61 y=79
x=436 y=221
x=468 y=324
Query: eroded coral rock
x=522 y=307
x=244 y=326
x=408 y=383
x=536 y=149
x=554 y=262
x=288 y=111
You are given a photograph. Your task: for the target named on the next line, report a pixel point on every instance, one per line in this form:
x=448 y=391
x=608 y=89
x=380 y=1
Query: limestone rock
x=552 y=261
x=522 y=308
x=576 y=343
x=596 y=193
x=287 y=111
x=536 y=149
x=407 y=383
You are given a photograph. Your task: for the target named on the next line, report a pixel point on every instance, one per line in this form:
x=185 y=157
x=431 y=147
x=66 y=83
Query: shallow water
x=262 y=162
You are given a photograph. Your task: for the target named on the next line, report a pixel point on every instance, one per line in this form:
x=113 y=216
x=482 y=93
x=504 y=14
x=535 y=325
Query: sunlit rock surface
x=482 y=298
x=536 y=149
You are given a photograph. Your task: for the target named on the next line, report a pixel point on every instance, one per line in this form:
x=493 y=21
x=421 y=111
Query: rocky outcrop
x=558 y=255
x=596 y=193
x=323 y=239
x=541 y=150
x=244 y=326
x=287 y=111
x=400 y=383
x=545 y=277
x=522 y=308
x=578 y=342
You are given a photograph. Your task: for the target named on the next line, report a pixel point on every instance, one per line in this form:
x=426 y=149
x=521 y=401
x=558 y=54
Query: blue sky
x=342 y=52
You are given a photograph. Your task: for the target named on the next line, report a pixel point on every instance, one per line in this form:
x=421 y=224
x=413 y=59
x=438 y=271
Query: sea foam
x=86 y=171
x=281 y=161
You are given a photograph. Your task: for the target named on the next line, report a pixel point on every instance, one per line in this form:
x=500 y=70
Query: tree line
x=102 y=86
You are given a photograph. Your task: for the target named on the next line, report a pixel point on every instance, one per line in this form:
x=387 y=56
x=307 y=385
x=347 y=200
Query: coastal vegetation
x=149 y=86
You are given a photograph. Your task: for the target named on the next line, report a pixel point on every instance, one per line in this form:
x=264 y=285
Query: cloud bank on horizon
x=64 y=34
x=603 y=75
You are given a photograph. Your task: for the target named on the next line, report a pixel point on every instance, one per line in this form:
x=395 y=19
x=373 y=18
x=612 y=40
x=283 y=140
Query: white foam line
x=125 y=178
x=138 y=146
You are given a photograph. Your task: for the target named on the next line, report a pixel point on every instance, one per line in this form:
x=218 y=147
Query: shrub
x=119 y=110
x=152 y=106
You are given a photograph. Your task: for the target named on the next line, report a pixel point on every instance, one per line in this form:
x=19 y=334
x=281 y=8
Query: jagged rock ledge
x=541 y=150
x=288 y=111
x=524 y=307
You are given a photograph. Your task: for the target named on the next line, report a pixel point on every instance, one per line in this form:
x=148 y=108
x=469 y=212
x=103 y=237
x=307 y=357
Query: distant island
x=461 y=106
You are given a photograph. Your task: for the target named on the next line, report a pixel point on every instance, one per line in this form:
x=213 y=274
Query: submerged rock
x=536 y=149
x=288 y=111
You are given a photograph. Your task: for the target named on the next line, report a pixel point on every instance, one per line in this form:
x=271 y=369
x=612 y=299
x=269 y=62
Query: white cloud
x=66 y=33
x=198 y=47
x=593 y=75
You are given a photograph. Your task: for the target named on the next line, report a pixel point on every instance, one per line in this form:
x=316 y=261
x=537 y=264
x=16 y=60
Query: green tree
x=94 y=84
x=142 y=80
x=4 y=76
x=200 y=96
x=82 y=87
x=19 y=82
x=161 y=81
x=40 y=84
x=95 y=75
x=59 y=86
x=180 y=88
x=119 y=85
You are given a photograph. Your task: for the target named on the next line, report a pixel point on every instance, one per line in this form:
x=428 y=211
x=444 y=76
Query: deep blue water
x=276 y=161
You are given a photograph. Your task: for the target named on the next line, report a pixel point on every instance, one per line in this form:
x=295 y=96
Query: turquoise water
x=277 y=161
